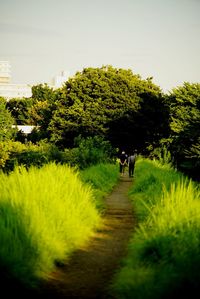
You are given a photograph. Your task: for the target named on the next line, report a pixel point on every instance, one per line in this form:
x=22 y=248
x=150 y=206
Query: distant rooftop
x=24 y=129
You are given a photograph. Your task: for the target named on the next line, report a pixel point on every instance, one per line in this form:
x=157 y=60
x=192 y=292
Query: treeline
x=114 y=105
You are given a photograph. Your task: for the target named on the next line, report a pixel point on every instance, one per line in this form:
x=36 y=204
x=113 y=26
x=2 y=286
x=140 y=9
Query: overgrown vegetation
x=116 y=105
x=46 y=213
x=163 y=260
x=87 y=152
x=86 y=122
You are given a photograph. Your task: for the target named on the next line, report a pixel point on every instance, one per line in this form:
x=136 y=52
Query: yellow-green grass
x=164 y=253
x=101 y=178
x=151 y=178
x=45 y=214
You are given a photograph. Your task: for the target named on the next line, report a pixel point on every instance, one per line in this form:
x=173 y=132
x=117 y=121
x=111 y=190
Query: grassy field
x=164 y=252
x=46 y=214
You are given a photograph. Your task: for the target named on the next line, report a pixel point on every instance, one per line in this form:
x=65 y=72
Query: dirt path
x=91 y=269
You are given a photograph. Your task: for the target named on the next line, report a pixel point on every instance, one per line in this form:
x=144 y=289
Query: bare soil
x=90 y=270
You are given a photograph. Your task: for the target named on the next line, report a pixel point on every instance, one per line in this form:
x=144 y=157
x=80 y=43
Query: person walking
x=131 y=163
x=122 y=162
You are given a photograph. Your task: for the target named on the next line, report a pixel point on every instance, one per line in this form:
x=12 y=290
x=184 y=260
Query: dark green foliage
x=42 y=92
x=157 y=249
x=19 y=109
x=87 y=152
x=91 y=151
x=184 y=105
x=15 y=153
x=108 y=102
x=152 y=122
x=26 y=158
x=44 y=98
x=6 y=122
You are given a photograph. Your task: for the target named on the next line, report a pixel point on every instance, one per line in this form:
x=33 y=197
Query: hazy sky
x=158 y=38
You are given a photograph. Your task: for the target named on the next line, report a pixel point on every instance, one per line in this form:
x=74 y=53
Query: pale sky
x=153 y=38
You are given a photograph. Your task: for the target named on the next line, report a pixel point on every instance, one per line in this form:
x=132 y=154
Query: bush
x=16 y=153
x=91 y=151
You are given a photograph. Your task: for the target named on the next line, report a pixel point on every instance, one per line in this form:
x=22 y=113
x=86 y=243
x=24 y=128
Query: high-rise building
x=8 y=90
x=11 y=91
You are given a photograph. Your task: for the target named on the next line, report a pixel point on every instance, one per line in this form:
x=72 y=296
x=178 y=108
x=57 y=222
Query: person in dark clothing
x=122 y=162
x=131 y=163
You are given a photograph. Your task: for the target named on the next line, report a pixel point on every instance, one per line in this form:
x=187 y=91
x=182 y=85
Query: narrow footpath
x=90 y=270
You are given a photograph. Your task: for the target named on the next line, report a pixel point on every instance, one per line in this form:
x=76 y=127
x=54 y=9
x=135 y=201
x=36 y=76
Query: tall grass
x=152 y=178
x=44 y=215
x=164 y=253
x=47 y=213
x=101 y=178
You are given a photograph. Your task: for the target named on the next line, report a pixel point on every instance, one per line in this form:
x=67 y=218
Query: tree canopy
x=108 y=102
x=19 y=109
x=184 y=106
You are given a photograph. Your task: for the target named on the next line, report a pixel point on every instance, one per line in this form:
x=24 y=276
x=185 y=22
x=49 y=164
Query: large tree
x=109 y=102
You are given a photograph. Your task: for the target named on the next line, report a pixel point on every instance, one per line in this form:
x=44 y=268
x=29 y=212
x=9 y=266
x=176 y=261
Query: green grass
x=151 y=179
x=101 y=178
x=164 y=252
x=45 y=214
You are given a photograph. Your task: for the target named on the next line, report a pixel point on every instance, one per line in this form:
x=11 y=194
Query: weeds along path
x=90 y=270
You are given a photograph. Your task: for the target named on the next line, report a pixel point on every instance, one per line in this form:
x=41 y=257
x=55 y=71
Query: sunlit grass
x=151 y=179
x=102 y=178
x=45 y=214
x=164 y=253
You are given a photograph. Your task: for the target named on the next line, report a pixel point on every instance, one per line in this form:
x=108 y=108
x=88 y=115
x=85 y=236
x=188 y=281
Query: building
x=11 y=91
x=5 y=76
x=25 y=129
x=59 y=80
x=8 y=90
